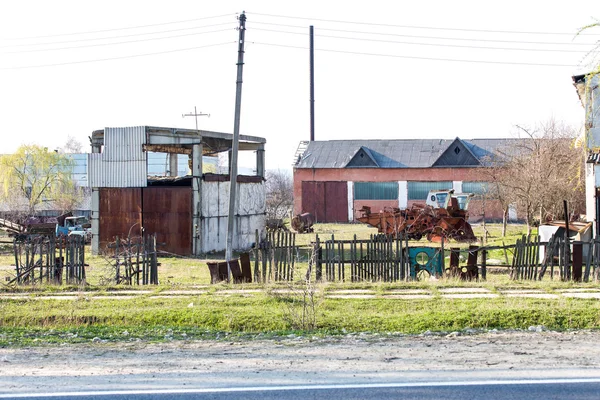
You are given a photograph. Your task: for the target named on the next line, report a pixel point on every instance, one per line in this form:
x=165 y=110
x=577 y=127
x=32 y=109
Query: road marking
x=304 y=387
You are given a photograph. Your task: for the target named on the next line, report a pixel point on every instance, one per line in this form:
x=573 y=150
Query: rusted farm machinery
x=444 y=216
x=303 y=223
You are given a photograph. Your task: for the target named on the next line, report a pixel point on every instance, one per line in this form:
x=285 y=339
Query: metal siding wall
x=124 y=144
x=120 y=213
x=168 y=213
x=123 y=161
x=326 y=201
x=336 y=201
x=116 y=173
x=313 y=199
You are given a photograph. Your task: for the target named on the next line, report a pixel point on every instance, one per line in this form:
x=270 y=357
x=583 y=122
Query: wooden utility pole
x=235 y=145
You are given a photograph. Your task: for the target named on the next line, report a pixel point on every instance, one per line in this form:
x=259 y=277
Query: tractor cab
x=439 y=198
x=463 y=200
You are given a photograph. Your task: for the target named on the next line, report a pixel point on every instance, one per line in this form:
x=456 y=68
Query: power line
x=425 y=44
x=429 y=37
x=122 y=29
x=418 y=58
x=422 y=27
x=115 y=43
x=115 y=58
x=114 y=37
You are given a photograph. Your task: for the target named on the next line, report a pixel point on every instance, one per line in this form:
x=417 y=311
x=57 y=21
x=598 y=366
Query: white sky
x=411 y=92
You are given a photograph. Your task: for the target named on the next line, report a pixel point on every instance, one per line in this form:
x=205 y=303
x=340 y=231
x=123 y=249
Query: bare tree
x=543 y=169
x=495 y=174
x=280 y=193
x=72 y=145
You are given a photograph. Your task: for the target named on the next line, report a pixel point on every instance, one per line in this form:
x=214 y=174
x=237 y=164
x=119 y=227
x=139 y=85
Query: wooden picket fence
x=379 y=258
x=275 y=256
x=134 y=260
x=49 y=259
x=570 y=260
x=386 y=259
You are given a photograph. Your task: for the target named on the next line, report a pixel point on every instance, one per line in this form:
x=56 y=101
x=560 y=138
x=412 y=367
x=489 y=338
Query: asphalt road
x=496 y=390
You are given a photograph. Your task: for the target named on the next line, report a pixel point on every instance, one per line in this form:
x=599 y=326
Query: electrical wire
x=116 y=58
x=420 y=27
x=418 y=58
x=122 y=29
x=113 y=37
x=114 y=43
x=429 y=37
x=424 y=44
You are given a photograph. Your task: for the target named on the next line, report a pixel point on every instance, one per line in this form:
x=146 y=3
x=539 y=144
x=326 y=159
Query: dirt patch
x=301 y=360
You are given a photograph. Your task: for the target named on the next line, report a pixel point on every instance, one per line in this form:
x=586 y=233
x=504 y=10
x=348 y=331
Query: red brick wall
x=493 y=211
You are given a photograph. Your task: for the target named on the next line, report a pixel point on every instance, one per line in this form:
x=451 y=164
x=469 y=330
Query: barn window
x=475 y=187
x=420 y=190
x=456 y=150
x=375 y=190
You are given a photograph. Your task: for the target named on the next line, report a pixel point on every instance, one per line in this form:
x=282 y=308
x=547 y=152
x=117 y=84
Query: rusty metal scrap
x=422 y=220
x=303 y=223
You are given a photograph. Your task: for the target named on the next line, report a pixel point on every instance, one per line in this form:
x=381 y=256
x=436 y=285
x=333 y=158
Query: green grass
x=209 y=314
x=24 y=322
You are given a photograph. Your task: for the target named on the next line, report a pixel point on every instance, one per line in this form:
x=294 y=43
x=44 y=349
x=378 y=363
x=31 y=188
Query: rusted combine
x=444 y=216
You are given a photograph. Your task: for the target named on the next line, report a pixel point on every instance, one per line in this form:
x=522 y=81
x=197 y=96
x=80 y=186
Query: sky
x=383 y=69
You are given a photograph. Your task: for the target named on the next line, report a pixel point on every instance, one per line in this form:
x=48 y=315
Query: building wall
x=167 y=212
x=402 y=175
x=250 y=215
x=592 y=122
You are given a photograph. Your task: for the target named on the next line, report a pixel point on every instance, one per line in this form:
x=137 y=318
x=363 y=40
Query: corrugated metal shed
x=123 y=161
x=401 y=153
x=116 y=173
x=124 y=144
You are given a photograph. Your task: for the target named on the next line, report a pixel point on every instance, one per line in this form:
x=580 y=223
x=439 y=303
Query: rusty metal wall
x=167 y=211
x=327 y=201
x=120 y=212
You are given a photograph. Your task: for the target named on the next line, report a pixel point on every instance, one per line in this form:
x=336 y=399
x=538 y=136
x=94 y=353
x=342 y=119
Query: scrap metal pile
x=444 y=216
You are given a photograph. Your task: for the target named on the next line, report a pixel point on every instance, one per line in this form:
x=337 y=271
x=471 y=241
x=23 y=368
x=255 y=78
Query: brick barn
x=334 y=179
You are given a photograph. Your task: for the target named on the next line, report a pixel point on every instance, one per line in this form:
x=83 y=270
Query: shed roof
x=403 y=153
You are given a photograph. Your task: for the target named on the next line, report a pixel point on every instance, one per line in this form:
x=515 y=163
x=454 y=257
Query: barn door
x=327 y=201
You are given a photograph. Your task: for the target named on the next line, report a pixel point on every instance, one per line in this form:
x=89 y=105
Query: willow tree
x=33 y=176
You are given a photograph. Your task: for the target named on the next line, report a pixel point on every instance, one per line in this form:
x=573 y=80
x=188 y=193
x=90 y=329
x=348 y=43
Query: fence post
x=319 y=257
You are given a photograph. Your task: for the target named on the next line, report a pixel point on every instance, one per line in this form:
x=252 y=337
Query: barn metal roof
x=398 y=153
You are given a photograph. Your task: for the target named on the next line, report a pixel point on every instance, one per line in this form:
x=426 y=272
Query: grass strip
x=30 y=321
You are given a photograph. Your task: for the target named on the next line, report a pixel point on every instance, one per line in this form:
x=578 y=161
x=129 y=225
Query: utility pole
x=312 y=84
x=195 y=114
x=235 y=145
